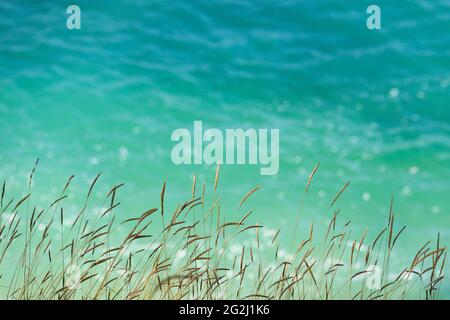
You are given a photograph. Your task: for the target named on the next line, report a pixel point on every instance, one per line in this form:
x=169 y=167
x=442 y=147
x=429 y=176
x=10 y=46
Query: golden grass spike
x=21 y=202
x=147 y=213
x=418 y=254
x=163 y=191
x=359 y=273
x=250 y=227
x=32 y=173
x=68 y=183
x=339 y=193
x=378 y=237
x=245 y=217
x=3 y=195
x=194 y=182
x=311 y=176
x=216 y=180
x=7 y=205
x=58 y=200
x=367 y=255
x=92 y=186
x=203 y=194
x=110 y=209
x=114 y=189
x=248 y=195
x=391 y=223
x=311 y=228
x=352 y=252
x=398 y=235
x=362 y=240
x=275 y=236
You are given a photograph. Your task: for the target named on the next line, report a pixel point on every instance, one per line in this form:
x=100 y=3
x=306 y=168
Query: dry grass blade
x=339 y=193
x=3 y=195
x=311 y=176
x=21 y=202
x=398 y=235
x=32 y=173
x=68 y=183
x=92 y=186
x=248 y=195
x=163 y=191
x=216 y=179
x=58 y=200
x=359 y=273
x=194 y=183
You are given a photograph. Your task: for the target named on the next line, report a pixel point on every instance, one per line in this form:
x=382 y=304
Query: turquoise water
x=370 y=106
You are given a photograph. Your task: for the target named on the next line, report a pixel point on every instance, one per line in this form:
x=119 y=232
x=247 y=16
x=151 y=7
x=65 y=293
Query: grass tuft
x=193 y=252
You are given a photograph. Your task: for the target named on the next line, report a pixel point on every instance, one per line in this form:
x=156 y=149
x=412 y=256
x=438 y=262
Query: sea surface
x=371 y=106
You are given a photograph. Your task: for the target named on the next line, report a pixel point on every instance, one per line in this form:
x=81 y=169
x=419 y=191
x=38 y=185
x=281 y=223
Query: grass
x=193 y=252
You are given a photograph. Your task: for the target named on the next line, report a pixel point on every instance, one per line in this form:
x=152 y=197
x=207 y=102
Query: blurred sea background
x=369 y=105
